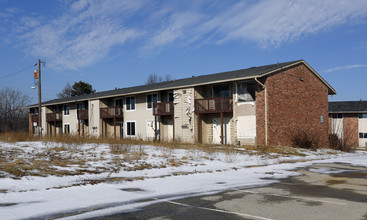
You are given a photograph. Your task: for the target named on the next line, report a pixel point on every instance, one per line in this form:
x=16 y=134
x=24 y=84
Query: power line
x=22 y=70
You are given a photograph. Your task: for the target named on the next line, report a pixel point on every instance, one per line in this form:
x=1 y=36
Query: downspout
x=266 y=112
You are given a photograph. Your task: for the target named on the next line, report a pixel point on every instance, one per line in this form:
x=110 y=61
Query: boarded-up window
x=246 y=126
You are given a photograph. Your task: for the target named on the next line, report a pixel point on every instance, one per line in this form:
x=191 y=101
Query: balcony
x=82 y=114
x=163 y=108
x=111 y=112
x=214 y=105
x=54 y=117
x=34 y=117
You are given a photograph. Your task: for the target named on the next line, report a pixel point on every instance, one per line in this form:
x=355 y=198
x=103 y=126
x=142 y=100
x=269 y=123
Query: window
x=151 y=98
x=245 y=91
x=66 y=109
x=336 y=115
x=67 y=129
x=118 y=102
x=170 y=96
x=362 y=115
x=130 y=128
x=362 y=135
x=79 y=106
x=221 y=91
x=130 y=103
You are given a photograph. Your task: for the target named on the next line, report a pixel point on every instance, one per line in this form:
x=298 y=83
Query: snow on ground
x=99 y=179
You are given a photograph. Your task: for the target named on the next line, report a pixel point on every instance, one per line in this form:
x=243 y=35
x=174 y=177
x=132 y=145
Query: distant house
x=266 y=105
x=348 y=119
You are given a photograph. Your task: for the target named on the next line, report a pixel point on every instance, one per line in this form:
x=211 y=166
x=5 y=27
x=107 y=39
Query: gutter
x=266 y=111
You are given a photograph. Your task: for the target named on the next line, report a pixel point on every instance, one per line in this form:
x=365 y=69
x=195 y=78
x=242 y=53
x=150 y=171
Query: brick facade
x=350 y=129
x=296 y=100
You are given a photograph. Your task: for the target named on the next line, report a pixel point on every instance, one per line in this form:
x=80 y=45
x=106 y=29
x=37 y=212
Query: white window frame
x=68 y=124
x=126 y=128
x=146 y=100
x=64 y=110
x=126 y=105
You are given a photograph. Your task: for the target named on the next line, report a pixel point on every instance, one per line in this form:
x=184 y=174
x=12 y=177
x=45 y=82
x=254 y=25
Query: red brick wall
x=350 y=129
x=294 y=106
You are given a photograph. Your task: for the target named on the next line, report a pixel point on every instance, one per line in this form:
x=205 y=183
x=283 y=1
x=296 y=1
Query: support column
x=155 y=128
x=199 y=129
x=114 y=127
x=221 y=127
x=173 y=124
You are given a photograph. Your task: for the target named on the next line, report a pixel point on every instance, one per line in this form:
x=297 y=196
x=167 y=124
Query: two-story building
x=266 y=105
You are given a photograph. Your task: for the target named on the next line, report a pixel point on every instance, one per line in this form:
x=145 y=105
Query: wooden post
x=199 y=129
x=102 y=129
x=79 y=127
x=173 y=124
x=221 y=127
x=155 y=128
x=114 y=127
x=54 y=128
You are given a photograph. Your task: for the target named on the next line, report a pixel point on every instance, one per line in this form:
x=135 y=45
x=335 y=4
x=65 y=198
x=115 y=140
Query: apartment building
x=348 y=119
x=266 y=105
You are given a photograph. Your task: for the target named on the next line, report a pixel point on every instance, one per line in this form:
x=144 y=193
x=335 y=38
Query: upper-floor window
x=130 y=103
x=170 y=96
x=222 y=91
x=66 y=109
x=245 y=91
x=118 y=102
x=151 y=98
x=336 y=115
x=362 y=115
x=79 y=106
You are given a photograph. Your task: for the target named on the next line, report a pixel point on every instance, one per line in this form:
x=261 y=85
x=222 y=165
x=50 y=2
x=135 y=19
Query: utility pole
x=39 y=98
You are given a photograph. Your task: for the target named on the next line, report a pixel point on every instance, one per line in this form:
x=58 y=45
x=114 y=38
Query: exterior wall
x=350 y=129
x=362 y=127
x=294 y=106
x=70 y=119
x=185 y=119
x=140 y=116
x=94 y=118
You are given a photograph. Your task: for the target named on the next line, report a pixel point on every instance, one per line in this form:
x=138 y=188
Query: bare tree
x=66 y=92
x=13 y=115
x=155 y=78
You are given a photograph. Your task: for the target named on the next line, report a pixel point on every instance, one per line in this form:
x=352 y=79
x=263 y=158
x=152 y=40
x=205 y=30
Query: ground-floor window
x=362 y=135
x=67 y=129
x=130 y=128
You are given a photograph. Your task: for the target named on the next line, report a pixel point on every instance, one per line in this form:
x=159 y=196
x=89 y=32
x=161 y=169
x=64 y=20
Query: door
x=217 y=131
x=169 y=129
x=150 y=133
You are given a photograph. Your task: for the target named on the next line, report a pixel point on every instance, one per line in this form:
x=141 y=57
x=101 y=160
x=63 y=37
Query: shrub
x=343 y=144
x=305 y=140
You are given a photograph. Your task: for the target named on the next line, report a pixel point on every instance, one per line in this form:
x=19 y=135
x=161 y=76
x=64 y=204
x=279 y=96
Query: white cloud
x=344 y=67
x=88 y=30
x=83 y=35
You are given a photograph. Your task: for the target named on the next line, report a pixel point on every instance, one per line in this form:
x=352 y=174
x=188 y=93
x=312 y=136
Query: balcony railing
x=111 y=112
x=163 y=108
x=54 y=116
x=34 y=117
x=82 y=114
x=214 y=105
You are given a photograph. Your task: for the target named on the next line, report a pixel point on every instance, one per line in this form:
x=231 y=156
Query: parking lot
x=323 y=191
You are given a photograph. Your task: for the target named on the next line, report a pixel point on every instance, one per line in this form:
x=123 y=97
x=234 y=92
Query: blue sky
x=116 y=43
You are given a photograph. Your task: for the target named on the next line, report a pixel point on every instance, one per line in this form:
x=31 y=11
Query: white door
x=150 y=129
x=169 y=129
x=217 y=131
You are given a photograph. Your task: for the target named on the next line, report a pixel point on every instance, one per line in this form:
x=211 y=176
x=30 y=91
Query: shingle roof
x=348 y=106
x=192 y=81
